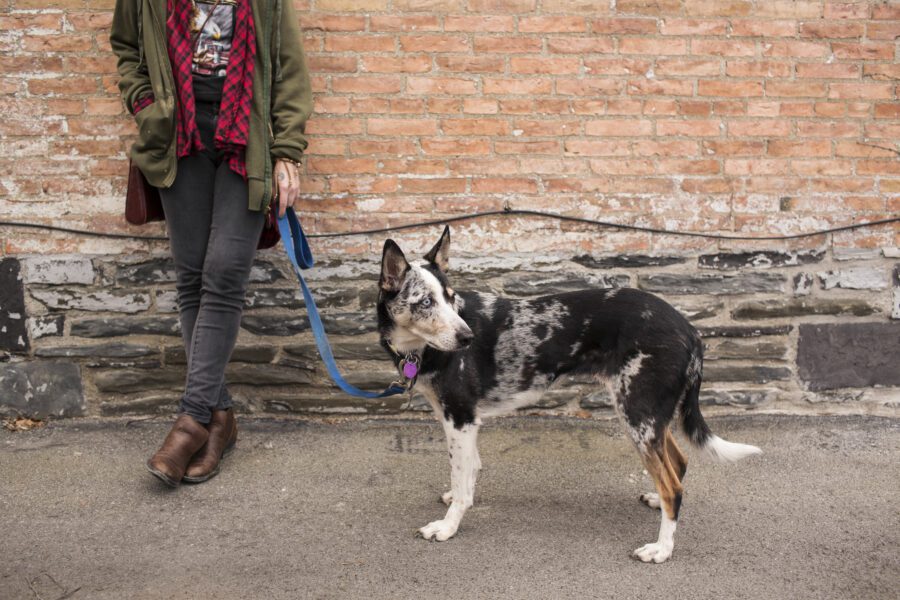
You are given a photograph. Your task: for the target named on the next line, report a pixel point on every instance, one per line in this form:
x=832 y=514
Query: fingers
x=287 y=178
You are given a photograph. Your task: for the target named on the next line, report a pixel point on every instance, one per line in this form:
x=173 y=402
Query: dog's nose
x=464 y=338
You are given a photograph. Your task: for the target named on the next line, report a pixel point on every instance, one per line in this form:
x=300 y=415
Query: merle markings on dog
x=480 y=355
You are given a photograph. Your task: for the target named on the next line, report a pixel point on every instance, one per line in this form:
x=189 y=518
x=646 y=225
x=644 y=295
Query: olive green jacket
x=282 y=96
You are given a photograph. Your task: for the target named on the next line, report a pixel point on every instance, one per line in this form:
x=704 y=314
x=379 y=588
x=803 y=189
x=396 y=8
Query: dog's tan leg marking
x=668 y=486
x=675 y=461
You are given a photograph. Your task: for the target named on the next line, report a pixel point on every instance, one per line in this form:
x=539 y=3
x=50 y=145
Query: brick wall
x=732 y=116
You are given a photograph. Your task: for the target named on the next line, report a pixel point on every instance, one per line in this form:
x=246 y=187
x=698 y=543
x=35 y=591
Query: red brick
x=679 y=67
x=589 y=87
x=359 y=43
x=444 y=106
x=723 y=47
x=545 y=66
x=549 y=127
x=475 y=127
x=323 y=22
x=623 y=106
x=317 y=164
x=440 y=85
x=480 y=106
x=718 y=8
x=652 y=46
x=828 y=71
x=882 y=31
x=619 y=127
x=734 y=148
x=760 y=28
x=361 y=185
x=67 y=42
x=336 y=126
x=766 y=68
x=580 y=45
x=831 y=29
x=660 y=87
x=847 y=10
x=672 y=26
x=552 y=25
x=382 y=147
x=855 y=149
x=479 y=23
x=620 y=166
x=366 y=84
x=63 y=85
x=863 y=50
x=759 y=128
x=795 y=49
x=664 y=148
x=887 y=110
x=504 y=185
x=433 y=186
x=391 y=64
x=776 y=89
x=455 y=147
x=621 y=26
x=799 y=148
x=648 y=7
x=517 y=86
x=507 y=45
x=882 y=130
x=739 y=89
x=434 y=43
x=829 y=129
x=327 y=146
x=332 y=64
x=401 y=127
x=889 y=11
x=404 y=23
x=598 y=148
x=617 y=66
x=874 y=91
x=690 y=128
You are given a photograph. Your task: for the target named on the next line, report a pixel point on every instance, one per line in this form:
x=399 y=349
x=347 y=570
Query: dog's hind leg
x=669 y=489
x=462 y=446
x=678 y=462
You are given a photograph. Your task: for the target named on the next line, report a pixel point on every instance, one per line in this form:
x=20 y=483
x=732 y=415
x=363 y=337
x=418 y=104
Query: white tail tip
x=724 y=451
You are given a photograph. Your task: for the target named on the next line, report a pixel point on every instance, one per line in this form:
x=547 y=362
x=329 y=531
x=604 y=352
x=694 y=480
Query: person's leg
x=231 y=247
x=188 y=205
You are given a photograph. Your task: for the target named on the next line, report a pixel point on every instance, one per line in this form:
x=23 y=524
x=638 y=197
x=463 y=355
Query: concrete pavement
x=328 y=510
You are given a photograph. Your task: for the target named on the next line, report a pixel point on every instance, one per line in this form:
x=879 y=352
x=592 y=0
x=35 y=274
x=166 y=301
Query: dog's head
x=416 y=305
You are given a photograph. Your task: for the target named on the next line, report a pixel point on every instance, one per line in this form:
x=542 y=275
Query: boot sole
x=162 y=476
x=214 y=472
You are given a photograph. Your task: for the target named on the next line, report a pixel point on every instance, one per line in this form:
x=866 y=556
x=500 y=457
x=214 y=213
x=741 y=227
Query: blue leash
x=297 y=248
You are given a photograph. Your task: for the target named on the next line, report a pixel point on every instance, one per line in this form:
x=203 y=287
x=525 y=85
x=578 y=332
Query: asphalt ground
x=324 y=509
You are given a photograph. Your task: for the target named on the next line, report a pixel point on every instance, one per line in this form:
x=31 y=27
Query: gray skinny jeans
x=213 y=236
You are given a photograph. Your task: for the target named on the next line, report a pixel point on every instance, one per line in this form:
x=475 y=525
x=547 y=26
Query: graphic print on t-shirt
x=214 y=44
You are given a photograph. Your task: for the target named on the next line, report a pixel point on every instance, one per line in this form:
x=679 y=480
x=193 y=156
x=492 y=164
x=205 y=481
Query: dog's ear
x=393 y=267
x=440 y=254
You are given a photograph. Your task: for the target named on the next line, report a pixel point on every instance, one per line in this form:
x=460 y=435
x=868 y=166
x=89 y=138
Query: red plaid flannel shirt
x=234 y=111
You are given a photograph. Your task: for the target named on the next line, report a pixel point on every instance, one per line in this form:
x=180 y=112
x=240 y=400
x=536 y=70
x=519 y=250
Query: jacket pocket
x=155 y=129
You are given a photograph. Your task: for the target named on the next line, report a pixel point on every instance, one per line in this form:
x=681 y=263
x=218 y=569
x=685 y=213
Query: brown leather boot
x=186 y=437
x=222 y=437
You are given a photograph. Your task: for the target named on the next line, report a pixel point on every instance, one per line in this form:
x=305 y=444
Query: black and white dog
x=477 y=355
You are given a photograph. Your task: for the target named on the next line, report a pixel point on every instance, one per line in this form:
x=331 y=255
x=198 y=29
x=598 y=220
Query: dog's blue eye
x=425 y=303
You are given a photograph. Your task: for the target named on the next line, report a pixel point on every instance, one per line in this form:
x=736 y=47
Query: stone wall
x=724 y=116
x=809 y=330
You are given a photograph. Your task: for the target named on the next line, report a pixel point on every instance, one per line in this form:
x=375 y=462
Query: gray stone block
x=849 y=355
x=57 y=270
x=731 y=261
x=717 y=372
x=95 y=301
x=166 y=301
x=326 y=402
x=250 y=354
x=13 y=323
x=157 y=270
x=802 y=284
x=697 y=311
x=749 y=349
x=626 y=261
x=342 y=350
x=277 y=325
x=42 y=326
x=117 y=326
x=273 y=297
x=127 y=381
x=41 y=389
x=738 y=331
x=798 y=307
x=747 y=283
x=265 y=375
x=595 y=400
x=746 y=398
x=860 y=278
x=534 y=284
x=112 y=350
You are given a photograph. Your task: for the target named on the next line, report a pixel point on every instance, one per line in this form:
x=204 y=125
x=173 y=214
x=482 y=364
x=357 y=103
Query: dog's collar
x=408 y=365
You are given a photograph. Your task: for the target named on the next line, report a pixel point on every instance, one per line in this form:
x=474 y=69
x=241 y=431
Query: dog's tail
x=698 y=432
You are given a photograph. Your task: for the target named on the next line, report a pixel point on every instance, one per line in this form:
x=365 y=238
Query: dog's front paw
x=439 y=530
x=654 y=552
x=447 y=498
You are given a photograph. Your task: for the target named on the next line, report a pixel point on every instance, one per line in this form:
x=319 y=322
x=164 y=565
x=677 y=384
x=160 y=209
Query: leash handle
x=297 y=248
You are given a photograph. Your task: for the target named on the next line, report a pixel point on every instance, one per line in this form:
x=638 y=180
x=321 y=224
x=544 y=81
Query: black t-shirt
x=213 y=47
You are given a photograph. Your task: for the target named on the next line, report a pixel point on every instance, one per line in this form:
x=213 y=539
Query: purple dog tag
x=410 y=369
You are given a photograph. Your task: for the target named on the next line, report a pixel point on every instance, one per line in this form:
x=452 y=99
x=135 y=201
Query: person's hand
x=287 y=184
